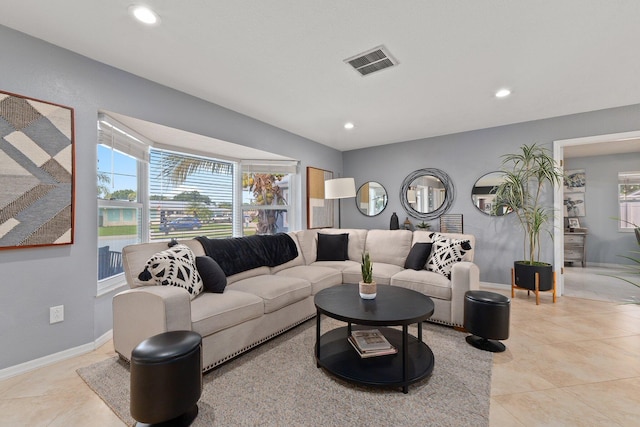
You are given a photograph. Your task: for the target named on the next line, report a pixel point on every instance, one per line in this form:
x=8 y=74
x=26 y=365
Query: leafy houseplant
x=423 y=225
x=367 y=286
x=527 y=174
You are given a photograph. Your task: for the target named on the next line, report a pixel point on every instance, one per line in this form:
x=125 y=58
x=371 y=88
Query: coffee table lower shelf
x=339 y=358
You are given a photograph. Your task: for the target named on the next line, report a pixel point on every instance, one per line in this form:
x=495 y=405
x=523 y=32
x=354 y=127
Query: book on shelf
x=370 y=343
x=370 y=340
x=371 y=353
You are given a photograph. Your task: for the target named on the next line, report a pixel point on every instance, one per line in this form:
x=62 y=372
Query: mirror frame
x=448 y=199
x=358 y=199
x=472 y=194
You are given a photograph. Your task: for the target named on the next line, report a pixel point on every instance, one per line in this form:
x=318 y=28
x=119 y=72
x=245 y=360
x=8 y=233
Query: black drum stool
x=486 y=317
x=166 y=379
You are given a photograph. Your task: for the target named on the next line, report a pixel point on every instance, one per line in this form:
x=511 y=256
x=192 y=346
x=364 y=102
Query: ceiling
x=282 y=61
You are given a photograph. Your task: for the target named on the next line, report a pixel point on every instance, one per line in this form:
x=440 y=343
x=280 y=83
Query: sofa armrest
x=465 y=276
x=146 y=311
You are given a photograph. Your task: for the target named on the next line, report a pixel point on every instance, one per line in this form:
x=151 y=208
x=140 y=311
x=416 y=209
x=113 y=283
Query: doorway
x=600 y=145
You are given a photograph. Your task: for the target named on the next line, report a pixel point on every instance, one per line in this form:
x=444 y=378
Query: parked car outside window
x=183 y=223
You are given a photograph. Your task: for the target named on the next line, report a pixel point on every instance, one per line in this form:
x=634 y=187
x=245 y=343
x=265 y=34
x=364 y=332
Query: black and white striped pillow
x=445 y=252
x=175 y=266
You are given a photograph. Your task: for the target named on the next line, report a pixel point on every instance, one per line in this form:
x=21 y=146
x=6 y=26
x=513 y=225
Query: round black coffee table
x=393 y=306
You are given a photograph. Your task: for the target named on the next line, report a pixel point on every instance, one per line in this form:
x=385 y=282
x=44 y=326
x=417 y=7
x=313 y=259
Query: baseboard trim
x=34 y=364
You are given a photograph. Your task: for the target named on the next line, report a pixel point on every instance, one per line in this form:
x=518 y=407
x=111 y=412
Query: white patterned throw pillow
x=445 y=252
x=175 y=266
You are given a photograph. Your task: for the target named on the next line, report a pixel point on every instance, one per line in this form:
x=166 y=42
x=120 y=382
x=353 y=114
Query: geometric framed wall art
x=319 y=209
x=36 y=172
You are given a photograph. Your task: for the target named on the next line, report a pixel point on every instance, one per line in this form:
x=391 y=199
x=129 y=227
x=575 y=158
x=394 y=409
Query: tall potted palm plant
x=527 y=175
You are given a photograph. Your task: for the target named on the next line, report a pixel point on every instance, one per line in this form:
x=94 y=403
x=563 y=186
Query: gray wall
x=605 y=243
x=34 y=279
x=465 y=157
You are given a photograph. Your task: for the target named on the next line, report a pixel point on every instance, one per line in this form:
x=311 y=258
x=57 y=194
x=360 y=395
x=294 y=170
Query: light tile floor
x=572 y=363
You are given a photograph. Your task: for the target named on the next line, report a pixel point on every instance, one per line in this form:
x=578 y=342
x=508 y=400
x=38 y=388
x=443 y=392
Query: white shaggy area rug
x=278 y=384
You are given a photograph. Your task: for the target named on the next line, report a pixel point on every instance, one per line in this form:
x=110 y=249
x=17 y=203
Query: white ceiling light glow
x=144 y=14
x=503 y=93
x=349 y=126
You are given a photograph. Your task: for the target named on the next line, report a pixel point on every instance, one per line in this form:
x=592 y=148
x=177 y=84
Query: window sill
x=111 y=284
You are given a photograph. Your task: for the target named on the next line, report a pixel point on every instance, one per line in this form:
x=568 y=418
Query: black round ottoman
x=486 y=317
x=166 y=378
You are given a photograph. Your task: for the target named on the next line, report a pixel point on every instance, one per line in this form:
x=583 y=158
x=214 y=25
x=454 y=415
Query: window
x=269 y=192
x=189 y=196
x=629 y=200
x=121 y=183
x=148 y=192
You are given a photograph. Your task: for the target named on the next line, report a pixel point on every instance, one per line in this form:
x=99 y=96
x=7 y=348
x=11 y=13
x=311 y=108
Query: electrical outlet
x=56 y=314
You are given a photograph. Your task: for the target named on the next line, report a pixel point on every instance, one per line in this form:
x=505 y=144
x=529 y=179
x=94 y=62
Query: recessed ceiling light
x=502 y=93
x=144 y=14
x=349 y=125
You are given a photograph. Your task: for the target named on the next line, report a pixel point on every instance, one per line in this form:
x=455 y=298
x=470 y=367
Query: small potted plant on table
x=367 y=286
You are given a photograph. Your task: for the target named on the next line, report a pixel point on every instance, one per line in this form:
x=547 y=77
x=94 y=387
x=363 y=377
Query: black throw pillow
x=213 y=278
x=418 y=255
x=333 y=247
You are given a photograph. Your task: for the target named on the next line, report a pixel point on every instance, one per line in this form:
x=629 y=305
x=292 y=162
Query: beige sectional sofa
x=261 y=303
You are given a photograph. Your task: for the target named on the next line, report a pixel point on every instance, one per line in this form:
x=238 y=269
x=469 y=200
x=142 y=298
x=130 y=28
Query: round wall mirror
x=371 y=198
x=426 y=193
x=483 y=194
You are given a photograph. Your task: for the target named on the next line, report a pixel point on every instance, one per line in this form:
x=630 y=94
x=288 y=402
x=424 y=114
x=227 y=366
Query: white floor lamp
x=339 y=188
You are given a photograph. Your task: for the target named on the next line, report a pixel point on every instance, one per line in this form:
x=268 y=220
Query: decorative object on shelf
x=483 y=194
x=36 y=172
x=371 y=343
x=371 y=198
x=423 y=225
x=394 y=224
x=427 y=193
x=319 y=209
x=339 y=188
x=573 y=223
x=527 y=174
x=407 y=224
x=451 y=223
x=367 y=286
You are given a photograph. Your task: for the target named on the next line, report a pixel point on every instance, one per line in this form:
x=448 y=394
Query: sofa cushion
x=418 y=255
x=381 y=273
x=175 y=266
x=388 y=246
x=319 y=277
x=211 y=312
x=246 y=274
x=338 y=265
x=429 y=283
x=299 y=260
x=333 y=247
x=446 y=252
x=357 y=238
x=276 y=291
x=213 y=278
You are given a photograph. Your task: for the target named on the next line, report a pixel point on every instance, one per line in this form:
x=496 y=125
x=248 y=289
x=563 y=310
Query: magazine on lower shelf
x=370 y=340
x=370 y=343
x=371 y=353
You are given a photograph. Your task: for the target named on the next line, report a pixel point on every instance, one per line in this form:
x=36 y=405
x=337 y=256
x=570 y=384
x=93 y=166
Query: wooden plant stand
x=537 y=287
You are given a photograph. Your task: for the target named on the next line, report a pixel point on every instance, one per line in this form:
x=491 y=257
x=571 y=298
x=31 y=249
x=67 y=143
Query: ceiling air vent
x=373 y=60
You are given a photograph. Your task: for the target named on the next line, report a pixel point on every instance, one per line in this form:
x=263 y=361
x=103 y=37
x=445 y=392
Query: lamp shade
x=411 y=196
x=339 y=188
